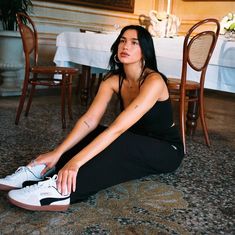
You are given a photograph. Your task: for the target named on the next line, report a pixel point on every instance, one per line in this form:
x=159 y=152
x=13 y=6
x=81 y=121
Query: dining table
x=91 y=50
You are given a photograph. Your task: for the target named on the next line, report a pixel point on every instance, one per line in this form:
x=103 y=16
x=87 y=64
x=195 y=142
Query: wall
x=192 y=11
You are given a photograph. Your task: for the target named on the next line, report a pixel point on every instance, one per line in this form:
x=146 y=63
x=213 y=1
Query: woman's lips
x=124 y=54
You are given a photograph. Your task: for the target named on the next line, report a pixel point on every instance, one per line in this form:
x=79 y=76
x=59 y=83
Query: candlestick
x=168 y=7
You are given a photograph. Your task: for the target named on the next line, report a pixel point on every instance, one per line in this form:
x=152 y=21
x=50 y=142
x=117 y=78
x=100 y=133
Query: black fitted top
x=157 y=122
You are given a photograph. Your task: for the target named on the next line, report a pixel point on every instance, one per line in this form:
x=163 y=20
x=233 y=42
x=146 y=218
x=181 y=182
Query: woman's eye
x=122 y=40
x=135 y=43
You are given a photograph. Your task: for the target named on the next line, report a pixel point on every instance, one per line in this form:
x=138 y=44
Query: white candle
x=168 y=7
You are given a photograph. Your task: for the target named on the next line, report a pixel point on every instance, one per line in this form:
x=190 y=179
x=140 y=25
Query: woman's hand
x=67 y=177
x=49 y=159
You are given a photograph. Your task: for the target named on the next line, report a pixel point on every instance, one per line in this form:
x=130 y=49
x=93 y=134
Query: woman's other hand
x=48 y=159
x=67 y=177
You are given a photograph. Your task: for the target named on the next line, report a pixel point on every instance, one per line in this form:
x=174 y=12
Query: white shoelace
x=51 y=182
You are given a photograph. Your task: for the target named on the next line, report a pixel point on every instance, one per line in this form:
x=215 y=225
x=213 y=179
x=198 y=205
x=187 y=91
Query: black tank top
x=157 y=122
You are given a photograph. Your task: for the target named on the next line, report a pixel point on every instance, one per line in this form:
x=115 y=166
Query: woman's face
x=129 y=50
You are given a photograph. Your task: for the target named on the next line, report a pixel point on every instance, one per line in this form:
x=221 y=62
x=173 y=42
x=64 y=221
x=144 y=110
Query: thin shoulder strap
x=119 y=92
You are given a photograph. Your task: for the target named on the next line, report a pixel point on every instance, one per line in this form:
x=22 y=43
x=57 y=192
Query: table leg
x=86 y=71
x=192 y=115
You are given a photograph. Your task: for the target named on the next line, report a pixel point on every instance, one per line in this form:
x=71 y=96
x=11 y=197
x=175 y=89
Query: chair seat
x=174 y=84
x=53 y=70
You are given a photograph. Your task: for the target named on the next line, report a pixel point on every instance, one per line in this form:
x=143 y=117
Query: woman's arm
x=152 y=89
x=85 y=124
x=91 y=118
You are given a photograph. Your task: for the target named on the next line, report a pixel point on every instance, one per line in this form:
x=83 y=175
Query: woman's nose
x=125 y=46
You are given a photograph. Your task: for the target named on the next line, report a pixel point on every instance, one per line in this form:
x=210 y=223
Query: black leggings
x=129 y=157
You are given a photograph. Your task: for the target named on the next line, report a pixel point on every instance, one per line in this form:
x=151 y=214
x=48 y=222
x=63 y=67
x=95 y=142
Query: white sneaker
x=42 y=196
x=21 y=175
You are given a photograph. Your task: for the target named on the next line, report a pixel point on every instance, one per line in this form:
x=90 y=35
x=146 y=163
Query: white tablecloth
x=93 y=49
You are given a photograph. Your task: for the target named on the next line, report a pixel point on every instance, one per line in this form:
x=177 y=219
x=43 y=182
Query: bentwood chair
x=41 y=75
x=198 y=47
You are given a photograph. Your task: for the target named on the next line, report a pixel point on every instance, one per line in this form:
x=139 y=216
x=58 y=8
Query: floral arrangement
x=228 y=23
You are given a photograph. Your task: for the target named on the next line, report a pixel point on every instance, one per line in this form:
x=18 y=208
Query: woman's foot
x=22 y=174
x=42 y=196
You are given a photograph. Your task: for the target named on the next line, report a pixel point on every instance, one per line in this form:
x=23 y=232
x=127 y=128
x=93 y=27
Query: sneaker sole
x=38 y=208
x=4 y=187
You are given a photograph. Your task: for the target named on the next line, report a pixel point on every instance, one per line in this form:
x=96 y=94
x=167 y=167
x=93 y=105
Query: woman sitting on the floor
x=142 y=140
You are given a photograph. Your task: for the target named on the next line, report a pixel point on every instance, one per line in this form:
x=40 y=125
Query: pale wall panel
x=192 y=11
x=68 y=17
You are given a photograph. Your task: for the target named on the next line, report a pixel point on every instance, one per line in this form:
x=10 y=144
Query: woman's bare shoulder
x=112 y=81
x=152 y=76
x=156 y=83
x=111 y=77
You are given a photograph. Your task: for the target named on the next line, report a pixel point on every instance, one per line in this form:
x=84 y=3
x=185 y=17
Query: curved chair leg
x=30 y=100
x=182 y=122
x=21 y=102
x=63 y=92
x=203 y=120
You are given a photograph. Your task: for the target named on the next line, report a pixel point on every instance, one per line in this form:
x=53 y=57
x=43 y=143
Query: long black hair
x=147 y=49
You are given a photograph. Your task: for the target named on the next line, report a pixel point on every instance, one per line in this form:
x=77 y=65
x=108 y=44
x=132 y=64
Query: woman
x=142 y=140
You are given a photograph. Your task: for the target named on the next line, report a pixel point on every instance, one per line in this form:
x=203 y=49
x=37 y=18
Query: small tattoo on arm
x=86 y=124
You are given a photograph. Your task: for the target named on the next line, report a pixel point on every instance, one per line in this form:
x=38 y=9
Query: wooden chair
x=198 y=47
x=33 y=70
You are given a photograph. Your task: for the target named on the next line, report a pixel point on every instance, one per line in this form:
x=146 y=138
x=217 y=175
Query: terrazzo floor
x=196 y=199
